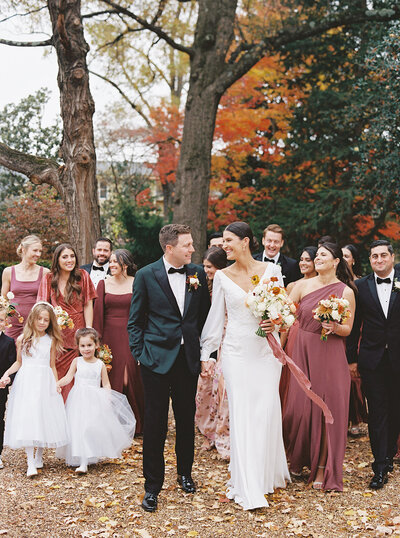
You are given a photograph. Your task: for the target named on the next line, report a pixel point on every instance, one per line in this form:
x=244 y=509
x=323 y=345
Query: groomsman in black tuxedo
x=99 y=268
x=170 y=303
x=377 y=354
x=272 y=241
x=7 y=358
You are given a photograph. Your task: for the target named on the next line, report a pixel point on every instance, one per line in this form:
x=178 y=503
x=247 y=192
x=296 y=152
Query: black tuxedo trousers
x=181 y=385
x=382 y=390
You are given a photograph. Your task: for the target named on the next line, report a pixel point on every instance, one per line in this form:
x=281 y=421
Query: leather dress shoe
x=149 y=502
x=378 y=480
x=186 y=483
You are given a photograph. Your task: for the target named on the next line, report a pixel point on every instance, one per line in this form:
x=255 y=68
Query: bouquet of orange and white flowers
x=332 y=309
x=270 y=301
x=63 y=319
x=9 y=307
x=104 y=353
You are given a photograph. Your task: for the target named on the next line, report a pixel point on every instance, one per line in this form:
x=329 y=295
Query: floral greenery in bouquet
x=63 y=319
x=332 y=309
x=104 y=353
x=9 y=307
x=269 y=300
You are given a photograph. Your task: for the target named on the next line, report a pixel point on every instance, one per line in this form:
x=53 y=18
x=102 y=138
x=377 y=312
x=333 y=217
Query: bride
x=258 y=462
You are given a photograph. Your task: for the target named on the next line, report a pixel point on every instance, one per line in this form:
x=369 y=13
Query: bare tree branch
x=38 y=169
x=96 y=13
x=126 y=98
x=276 y=43
x=47 y=42
x=148 y=26
x=23 y=14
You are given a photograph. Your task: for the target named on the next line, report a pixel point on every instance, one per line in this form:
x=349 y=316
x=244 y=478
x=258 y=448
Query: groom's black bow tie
x=97 y=268
x=181 y=270
x=383 y=280
x=269 y=260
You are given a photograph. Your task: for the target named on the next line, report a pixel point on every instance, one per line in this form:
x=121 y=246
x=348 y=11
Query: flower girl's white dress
x=35 y=410
x=251 y=372
x=100 y=421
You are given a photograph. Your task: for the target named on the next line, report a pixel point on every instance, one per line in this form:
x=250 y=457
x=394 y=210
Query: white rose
x=10 y=295
x=193 y=280
x=335 y=315
x=397 y=285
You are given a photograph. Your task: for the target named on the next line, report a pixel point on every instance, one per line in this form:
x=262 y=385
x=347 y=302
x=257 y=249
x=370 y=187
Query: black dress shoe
x=186 y=483
x=378 y=480
x=149 y=502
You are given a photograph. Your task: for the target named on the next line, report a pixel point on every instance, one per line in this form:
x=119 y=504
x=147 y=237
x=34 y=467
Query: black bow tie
x=97 y=268
x=269 y=260
x=383 y=280
x=181 y=270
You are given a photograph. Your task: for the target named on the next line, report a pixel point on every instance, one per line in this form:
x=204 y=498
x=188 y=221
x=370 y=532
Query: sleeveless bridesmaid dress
x=24 y=297
x=325 y=364
x=111 y=313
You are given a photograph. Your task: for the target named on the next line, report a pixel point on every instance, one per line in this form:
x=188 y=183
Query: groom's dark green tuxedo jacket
x=156 y=326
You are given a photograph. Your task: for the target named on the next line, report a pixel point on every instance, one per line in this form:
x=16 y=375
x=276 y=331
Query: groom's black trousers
x=181 y=385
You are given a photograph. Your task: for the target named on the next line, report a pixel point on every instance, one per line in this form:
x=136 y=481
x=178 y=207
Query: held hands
x=207 y=368
x=4 y=381
x=58 y=387
x=353 y=368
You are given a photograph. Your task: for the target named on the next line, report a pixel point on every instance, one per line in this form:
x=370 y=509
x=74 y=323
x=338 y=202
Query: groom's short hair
x=169 y=234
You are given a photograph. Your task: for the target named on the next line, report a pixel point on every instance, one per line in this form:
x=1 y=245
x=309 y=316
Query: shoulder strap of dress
x=40 y=273
x=12 y=273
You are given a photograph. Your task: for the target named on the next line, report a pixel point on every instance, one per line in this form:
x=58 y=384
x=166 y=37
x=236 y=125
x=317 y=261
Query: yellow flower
x=255 y=279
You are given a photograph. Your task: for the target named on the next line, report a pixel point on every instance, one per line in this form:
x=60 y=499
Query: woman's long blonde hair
x=29 y=334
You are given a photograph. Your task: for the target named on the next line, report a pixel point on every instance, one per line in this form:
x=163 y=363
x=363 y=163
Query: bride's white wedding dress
x=251 y=372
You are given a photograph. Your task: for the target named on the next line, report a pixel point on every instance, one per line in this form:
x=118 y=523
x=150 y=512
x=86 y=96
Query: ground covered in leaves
x=106 y=502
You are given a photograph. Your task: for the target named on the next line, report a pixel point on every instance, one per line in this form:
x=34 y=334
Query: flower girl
x=35 y=411
x=100 y=421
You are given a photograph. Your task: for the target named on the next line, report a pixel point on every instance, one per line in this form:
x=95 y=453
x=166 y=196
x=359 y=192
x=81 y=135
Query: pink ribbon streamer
x=300 y=377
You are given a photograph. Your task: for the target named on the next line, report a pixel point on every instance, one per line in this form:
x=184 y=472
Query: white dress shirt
x=275 y=258
x=96 y=276
x=178 y=285
x=384 y=291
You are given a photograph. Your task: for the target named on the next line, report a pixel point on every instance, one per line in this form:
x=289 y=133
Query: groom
x=170 y=303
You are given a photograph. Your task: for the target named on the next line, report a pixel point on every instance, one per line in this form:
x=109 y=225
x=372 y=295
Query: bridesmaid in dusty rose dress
x=111 y=313
x=309 y=441
x=212 y=413
x=307 y=269
x=71 y=288
x=23 y=281
x=358 y=406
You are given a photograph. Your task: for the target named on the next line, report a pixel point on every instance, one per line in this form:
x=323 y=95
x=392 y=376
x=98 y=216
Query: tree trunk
x=78 y=176
x=214 y=35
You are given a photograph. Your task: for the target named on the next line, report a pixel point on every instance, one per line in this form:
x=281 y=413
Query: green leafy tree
x=21 y=127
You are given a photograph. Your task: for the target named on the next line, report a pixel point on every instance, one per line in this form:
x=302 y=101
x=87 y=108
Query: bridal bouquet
x=63 y=319
x=270 y=301
x=332 y=309
x=104 y=354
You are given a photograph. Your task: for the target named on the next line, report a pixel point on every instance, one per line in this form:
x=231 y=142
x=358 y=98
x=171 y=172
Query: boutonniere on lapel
x=396 y=285
x=193 y=282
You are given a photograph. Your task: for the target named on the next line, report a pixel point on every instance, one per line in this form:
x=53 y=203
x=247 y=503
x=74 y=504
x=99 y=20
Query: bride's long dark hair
x=343 y=272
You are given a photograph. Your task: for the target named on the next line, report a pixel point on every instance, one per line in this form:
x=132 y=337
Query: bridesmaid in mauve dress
x=111 y=313
x=358 y=406
x=23 y=281
x=307 y=269
x=212 y=410
x=309 y=441
x=70 y=288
